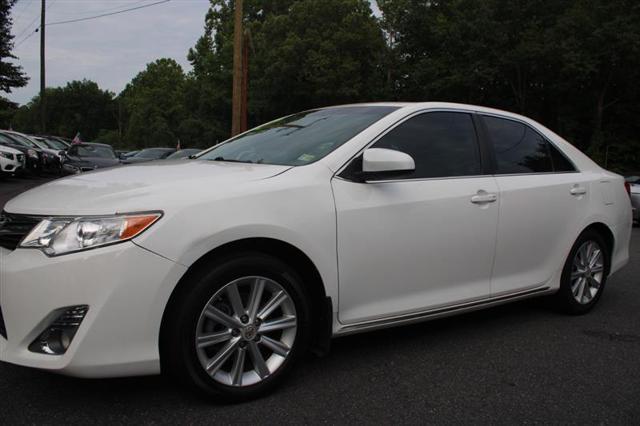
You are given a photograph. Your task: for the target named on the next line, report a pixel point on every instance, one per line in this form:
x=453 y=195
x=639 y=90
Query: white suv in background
x=11 y=160
x=224 y=269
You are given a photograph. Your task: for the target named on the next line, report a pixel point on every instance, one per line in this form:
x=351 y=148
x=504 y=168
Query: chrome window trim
x=336 y=175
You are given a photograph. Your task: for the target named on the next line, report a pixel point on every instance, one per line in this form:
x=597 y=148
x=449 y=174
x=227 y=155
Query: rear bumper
x=126 y=288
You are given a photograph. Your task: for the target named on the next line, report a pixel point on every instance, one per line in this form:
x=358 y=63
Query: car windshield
x=22 y=140
x=54 y=144
x=298 y=139
x=41 y=143
x=5 y=140
x=93 y=151
x=151 y=153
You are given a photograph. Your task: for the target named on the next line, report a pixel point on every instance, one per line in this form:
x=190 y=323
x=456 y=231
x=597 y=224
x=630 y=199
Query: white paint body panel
x=9 y=165
x=412 y=245
x=383 y=250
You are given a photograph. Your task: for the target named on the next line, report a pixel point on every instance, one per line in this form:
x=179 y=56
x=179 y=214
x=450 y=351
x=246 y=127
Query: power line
x=25 y=3
x=69 y=21
x=26 y=38
x=27 y=27
x=24 y=30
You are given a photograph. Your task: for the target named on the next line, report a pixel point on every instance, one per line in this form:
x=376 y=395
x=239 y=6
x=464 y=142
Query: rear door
x=543 y=199
x=423 y=240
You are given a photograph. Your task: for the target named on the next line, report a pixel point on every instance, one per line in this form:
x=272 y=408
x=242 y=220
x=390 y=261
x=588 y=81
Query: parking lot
x=519 y=363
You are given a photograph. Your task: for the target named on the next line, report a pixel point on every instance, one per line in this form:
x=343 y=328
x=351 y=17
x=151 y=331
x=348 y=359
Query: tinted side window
x=518 y=148
x=441 y=143
x=560 y=162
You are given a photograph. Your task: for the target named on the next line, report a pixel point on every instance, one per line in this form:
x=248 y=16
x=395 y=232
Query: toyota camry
x=224 y=270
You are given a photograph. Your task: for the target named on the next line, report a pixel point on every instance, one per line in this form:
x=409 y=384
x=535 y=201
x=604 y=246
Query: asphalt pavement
x=518 y=363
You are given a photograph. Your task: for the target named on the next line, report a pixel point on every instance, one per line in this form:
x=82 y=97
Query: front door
x=422 y=241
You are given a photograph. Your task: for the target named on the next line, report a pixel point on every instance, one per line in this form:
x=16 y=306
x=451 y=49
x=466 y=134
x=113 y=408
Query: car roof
x=92 y=144
x=435 y=105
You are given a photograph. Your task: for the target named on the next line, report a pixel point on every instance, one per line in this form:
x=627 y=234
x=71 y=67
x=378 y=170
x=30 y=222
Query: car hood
x=9 y=150
x=140 y=187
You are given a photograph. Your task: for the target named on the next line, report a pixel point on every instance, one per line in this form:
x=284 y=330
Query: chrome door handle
x=483 y=197
x=578 y=190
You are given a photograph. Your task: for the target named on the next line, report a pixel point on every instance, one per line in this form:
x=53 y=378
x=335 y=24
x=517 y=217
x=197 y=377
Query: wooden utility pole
x=43 y=101
x=236 y=109
x=245 y=82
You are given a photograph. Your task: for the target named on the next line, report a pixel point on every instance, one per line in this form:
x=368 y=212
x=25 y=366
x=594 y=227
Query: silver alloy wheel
x=587 y=272
x=246 y=331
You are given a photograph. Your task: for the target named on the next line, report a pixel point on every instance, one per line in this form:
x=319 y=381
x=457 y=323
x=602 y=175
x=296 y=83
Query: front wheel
x=239 y=329
x=585 y=274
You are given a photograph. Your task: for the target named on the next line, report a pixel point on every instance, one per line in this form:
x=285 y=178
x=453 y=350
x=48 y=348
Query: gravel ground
x=518 y=363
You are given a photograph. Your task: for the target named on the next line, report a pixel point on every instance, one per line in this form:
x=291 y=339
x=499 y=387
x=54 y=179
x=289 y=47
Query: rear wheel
x=585 y=274
x=239 y=329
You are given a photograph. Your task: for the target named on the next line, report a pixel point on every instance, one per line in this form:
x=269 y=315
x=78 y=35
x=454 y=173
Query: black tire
x=565 y=298
x=178 y=353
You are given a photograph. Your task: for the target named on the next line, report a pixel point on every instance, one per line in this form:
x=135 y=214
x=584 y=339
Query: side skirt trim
x=437 y=313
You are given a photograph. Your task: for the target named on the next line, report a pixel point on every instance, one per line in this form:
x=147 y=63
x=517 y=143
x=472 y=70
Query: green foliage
x=11 y=75
x=80 y=106
x=573 y=65
x=154 y=105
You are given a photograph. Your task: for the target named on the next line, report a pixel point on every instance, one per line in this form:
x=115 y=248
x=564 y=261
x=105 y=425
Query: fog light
x=55 y=340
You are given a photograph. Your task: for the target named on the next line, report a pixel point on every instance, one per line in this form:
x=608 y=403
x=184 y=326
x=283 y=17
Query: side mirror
x=382 y=163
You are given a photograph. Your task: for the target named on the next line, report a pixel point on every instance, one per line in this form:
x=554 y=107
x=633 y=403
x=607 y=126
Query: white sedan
x=224 y=269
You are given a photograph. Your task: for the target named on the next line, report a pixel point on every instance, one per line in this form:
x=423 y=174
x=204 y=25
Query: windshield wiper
x=231 y=160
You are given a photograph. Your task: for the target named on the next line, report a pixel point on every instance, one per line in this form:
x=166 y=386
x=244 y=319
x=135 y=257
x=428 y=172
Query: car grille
x=14 y=227
x=3 y=328
x=20 y=158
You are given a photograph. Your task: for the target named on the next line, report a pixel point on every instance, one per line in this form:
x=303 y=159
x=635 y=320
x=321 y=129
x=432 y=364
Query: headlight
x=6 y=155
x=31 y=153
x=58 y=235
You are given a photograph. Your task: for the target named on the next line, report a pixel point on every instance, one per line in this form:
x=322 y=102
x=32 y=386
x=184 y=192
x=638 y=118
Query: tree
x=572 y=65
x=154 y=104
x=80 y=106
x=303 y=54
x=11 y=75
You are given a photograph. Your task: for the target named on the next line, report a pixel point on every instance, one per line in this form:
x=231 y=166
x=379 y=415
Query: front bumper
x=126 y=288
x=10 y=166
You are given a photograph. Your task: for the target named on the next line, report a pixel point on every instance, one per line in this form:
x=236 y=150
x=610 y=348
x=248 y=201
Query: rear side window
x=520 y=149
x=442 y=144
x=560 y=162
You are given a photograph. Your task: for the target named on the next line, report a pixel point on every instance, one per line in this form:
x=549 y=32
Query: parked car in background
x=149 y=154
x=84 y=157
x=128 y=154
x=46 y=161
x=54 y=143
x=11 y=160
x=634 y=193
x=32 y=163
x=183 y=153
x=324 y=223
x=51 y=157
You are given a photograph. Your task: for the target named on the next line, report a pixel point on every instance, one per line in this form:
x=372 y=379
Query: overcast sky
x=110 y=50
